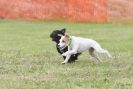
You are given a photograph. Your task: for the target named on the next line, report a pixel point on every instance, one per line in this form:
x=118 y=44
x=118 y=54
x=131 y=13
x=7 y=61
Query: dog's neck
x=69 y=40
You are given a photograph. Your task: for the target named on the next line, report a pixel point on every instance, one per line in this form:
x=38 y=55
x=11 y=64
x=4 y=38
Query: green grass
x=29 y=60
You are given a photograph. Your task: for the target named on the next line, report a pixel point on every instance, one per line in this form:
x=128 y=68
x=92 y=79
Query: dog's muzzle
x=61 y=48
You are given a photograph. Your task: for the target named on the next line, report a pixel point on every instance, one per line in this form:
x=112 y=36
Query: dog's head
x=63 y=41
x=56 y=35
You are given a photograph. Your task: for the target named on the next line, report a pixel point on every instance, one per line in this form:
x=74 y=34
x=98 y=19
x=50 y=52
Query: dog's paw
x=64 y=63
x=110 y=56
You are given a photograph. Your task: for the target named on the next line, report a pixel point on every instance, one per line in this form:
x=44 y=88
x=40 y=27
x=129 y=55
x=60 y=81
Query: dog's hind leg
x=93 y=54
x=101 y=50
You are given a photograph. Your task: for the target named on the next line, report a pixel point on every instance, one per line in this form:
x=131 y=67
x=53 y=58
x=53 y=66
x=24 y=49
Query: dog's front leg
x=66 y=60
x=70 y=52
x=66 y=53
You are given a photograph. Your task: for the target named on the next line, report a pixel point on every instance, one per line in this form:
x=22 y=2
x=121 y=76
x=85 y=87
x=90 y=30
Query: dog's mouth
x=63 y=47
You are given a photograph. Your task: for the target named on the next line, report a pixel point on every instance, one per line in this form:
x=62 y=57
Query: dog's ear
x=63 y=30
x=66 y=35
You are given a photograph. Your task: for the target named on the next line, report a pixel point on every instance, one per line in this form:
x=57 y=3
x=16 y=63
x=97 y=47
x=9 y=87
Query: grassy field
x=29 y=60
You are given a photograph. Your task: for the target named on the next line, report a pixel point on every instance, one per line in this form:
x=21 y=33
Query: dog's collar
x=69 y=41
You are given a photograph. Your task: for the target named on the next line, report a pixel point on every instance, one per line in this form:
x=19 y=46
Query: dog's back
x=84 y=43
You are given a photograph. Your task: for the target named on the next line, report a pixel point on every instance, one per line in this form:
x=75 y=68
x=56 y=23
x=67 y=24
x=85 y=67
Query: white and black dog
x=79 y=45
x=56 y=36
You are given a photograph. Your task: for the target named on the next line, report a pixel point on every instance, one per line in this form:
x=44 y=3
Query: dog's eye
x=63 y=41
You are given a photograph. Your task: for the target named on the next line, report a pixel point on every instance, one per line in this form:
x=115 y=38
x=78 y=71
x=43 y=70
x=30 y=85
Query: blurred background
x=68 y=10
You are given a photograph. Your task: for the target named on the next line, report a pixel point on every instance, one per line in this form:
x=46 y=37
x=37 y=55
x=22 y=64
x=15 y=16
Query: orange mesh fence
x=72 y=10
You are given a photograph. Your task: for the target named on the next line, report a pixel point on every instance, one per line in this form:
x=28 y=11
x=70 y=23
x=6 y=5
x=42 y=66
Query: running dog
x=56 y=36
x=79 y=45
